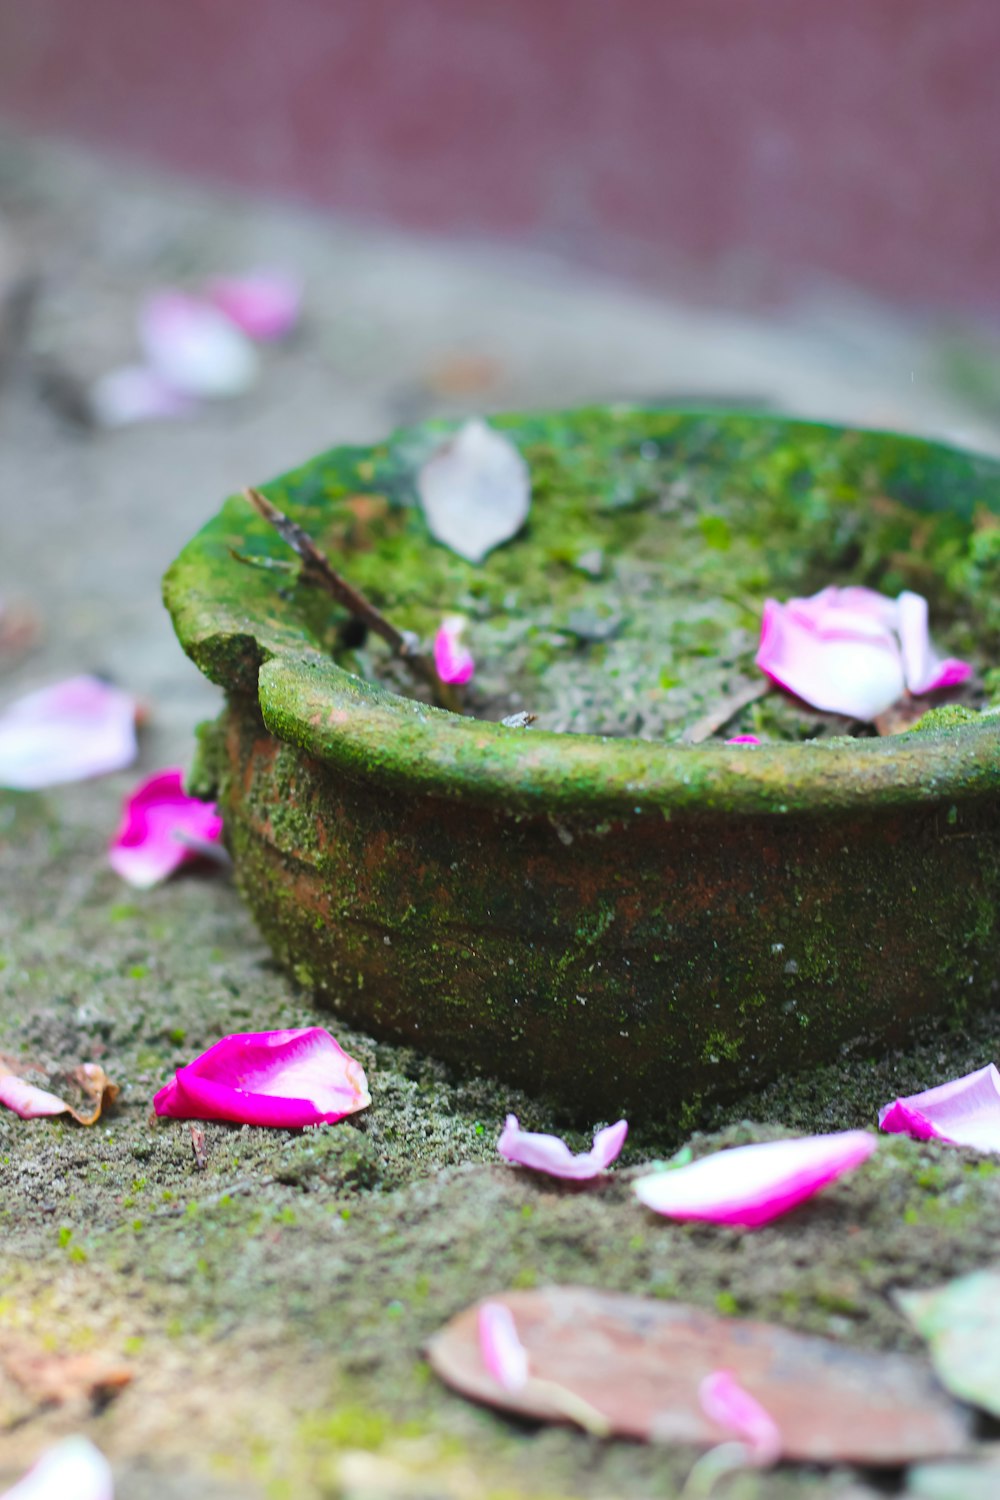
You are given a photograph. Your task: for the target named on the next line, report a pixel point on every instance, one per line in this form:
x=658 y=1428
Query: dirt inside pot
x=630 y=604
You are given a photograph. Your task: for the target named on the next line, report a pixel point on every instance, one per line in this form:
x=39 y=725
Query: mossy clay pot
x=625 y=926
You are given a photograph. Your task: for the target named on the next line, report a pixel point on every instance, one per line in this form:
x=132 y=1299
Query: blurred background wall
x=741 y=148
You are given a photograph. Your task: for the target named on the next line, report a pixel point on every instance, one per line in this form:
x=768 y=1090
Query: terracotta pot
x=629 y=926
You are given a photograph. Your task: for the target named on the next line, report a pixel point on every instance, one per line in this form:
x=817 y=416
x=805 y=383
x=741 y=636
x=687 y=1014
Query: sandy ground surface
x=272 y=1305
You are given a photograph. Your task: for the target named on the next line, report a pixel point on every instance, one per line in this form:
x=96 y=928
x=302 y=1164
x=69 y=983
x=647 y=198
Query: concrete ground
x=395 y=329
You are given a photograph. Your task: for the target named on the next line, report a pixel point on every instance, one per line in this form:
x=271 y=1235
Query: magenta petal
x=161 y=828
x=925 y=670
x=503 y=1353
x=840 y=660
x=74 y=729
x=194 y=348
x=741 y=1415
x=283 y=1078
x=750 y=1185
x=963 y=1112
x=453 y=662
x=548 y=1153
x=135 y=393
x=72 y=1470
x=744 y=739
x=265 y=305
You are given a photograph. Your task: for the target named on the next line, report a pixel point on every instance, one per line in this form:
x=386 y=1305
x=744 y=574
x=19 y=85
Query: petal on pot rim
x=750 y=1185
x=453 y=661
x=194 y=348
x=963 y=1112
x=287 y=1079
x=549 y=1153
x=67 y=732
x=161 y=829
x=503 y=1353
x=265 y=305
x=741 y=1415
x=71 y=1470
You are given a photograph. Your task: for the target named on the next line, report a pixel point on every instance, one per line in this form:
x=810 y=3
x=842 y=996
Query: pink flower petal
x=283 y=1078
x=475 y=491
x=452 y=661
x=962 y=1112
x=925 y=670
x=751 y=1185
x=265 y=305
x=853 y=651
x=725 y=1401
x=855 y=670
x=74 y=729
x=72 y=1470
x=194 y=348
x=503 y=1353
x=135 y=393
x=548 y=1153
x=27 y=1100
x=744 y=739
x=161 y=828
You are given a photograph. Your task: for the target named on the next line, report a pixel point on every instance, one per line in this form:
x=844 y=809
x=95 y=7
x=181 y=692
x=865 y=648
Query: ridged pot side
x=626 y=963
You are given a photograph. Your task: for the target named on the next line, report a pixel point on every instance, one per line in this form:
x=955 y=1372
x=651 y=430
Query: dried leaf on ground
x=475 y=491
x=54 y=1379
x=91 y=1090
x=639 y=1362
x=961 y=1322
x=20 y=629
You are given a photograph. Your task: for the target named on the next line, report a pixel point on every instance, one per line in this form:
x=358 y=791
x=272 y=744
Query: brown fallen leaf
x=55 y=1379
x=639 y=1362
x=463 y=374
x=87 y=1081
x=20 y=630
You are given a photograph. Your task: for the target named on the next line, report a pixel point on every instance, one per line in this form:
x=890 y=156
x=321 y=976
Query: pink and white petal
x=135 y=393
x=750 y=1185
x=925 y=670
x=858 y=673
x=963 y=1112
x=265 y=305
x=67 y=732
x=289 y=1079
x=161 y=829
x=72 y=1470
x=194 y=348
x=741 y=1415
x=879 y=610
x=744 y=739
x=453 y=661
x=549 y=1153
x=27 y=1100
x=504 y=1356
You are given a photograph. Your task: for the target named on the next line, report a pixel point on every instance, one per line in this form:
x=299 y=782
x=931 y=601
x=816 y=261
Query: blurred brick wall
x=746 y=143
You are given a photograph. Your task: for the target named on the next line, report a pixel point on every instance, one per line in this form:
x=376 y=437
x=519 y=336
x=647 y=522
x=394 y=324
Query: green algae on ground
x=274 y=1304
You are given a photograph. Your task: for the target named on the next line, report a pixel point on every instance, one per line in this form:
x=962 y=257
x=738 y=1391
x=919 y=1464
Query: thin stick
x=704 y=728
x=318 y=571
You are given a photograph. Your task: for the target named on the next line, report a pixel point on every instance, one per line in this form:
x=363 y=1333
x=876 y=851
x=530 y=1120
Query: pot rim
x=377 y=736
